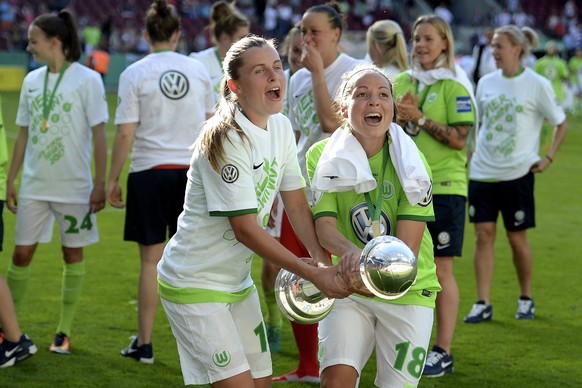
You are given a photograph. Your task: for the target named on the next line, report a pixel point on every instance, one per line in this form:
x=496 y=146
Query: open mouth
x=274 y=93
x=373 y=118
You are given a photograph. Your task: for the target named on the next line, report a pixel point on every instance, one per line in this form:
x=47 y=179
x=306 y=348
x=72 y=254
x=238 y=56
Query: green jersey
x=353 y=221
x=554 y=69
x=575 y=66
x=445 y=102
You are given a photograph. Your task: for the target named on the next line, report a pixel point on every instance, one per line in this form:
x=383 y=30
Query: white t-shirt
x=303 y=115
x=57 y=163
x=213 y=65
x=168 y=94
x=204 y=253
x=512 y=111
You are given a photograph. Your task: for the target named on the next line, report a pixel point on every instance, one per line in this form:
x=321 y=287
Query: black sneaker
x=143 y=353
x=480 y=312
x=11 y=353
x=438 y=362
x=526 y=308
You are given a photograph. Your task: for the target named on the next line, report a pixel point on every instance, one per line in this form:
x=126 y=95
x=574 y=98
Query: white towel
x=408 y=164
x=344 y=166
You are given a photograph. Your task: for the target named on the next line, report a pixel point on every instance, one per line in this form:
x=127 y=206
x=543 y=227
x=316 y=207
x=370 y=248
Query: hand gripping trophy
x=387 y=269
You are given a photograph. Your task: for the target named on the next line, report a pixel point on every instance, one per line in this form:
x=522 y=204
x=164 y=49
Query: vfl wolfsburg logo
x=229 y=173
x=174 y=84
x=362 y=223
x=221 y=358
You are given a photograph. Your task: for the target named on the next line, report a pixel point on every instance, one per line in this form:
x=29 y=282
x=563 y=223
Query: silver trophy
x=387 y=269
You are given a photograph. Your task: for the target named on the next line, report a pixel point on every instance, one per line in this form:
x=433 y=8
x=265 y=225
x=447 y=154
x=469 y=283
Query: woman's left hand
x=541 y=165
x=407 y=107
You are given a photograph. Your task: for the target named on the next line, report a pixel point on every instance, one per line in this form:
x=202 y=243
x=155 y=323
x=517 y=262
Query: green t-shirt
x=445 y=102
x=353 y=221
x=554 y=69
x=575 y=66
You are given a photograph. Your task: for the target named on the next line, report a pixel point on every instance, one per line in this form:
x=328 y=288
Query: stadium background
x=120 y=23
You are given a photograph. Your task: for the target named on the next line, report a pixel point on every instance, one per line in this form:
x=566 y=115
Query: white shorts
x=400 y=334
x=220 y=340
x=35 y=220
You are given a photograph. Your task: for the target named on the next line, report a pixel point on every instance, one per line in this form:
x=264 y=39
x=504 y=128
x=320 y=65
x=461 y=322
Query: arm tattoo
x=444 y=133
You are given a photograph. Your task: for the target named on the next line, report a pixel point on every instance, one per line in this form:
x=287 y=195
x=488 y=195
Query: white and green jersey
x=512 y=111
x=554 y=69
x=354 y=220
x=57 y=162
x=285 y=110
x=203 y=261
x=445 y=102
x=213 y=64
x=302 y=111
x=168 y=95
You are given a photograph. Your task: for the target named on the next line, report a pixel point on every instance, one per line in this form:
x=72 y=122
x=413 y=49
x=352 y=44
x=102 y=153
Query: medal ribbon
x=46 y=107
x=376 y=209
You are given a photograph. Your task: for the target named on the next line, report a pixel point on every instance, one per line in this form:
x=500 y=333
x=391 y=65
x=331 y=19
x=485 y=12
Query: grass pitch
x=544 y=352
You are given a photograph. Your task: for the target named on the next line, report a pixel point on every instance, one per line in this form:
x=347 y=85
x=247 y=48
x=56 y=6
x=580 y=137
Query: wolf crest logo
x=221 y=358
x=174 y=84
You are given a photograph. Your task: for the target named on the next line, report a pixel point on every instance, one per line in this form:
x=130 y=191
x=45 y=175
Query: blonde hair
x=225 y=18
x=447 y=58
x=216 y=129
x=389 y=35
x=524 y=37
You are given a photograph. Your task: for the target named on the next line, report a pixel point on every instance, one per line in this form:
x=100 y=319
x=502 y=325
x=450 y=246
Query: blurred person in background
x=227 y=26
x=513 y=102
x=164 y=99
x=62 y=114
x=387 y=47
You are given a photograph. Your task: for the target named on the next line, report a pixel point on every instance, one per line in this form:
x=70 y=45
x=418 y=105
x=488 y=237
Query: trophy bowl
x=388 y=267
x=299 y=299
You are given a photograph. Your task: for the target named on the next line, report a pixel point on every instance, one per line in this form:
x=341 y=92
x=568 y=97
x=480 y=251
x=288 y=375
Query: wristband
x=550 y=158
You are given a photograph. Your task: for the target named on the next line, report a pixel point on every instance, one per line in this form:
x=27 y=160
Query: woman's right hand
x=327 y=282
x=114 y=196
x=11 y=198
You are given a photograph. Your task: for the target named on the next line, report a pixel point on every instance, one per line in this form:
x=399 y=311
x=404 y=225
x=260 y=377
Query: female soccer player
x=387 y=47
x=437 y=97
x=310 y=111
x=513 y=102
x=399 y=329
x=62 y=110
x=244 y=155
x=227 y=25
x=163 y=101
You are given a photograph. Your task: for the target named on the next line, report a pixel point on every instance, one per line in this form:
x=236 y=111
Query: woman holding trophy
x=371 y=180
x=245 y=153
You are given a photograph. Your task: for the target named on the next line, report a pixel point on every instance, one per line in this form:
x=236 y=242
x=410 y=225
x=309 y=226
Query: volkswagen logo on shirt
x=174 y=84
x=229 y=173
x=362 y=223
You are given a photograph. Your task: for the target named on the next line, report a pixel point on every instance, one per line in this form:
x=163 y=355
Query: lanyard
x=46 y=106
x=423 y=94
x=376 y=209
x=218 y=58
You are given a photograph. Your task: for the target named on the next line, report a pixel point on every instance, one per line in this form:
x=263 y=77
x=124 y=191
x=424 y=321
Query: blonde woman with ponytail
x=387 y=47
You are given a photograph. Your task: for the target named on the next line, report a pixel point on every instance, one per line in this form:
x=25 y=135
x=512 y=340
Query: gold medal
x=44 y=125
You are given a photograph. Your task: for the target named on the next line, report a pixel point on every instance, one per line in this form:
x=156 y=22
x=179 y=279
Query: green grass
x=502 y=353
